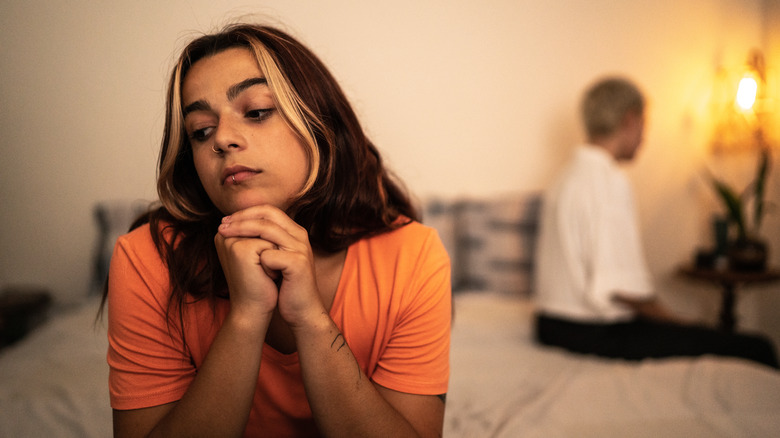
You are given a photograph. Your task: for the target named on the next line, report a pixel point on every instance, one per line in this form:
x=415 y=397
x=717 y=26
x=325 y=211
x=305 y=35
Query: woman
x=283 y=287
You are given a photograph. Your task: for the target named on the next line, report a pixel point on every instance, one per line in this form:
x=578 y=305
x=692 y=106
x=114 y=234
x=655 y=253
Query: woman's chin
x=249 y=202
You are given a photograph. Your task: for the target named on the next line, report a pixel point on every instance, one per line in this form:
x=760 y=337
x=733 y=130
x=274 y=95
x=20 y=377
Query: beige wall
x=462 y=97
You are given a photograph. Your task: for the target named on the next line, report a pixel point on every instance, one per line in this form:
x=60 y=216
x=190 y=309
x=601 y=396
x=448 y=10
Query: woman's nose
x=228 y=135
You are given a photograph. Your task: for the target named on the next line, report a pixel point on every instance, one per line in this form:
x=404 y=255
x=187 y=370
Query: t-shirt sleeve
x=148 y=363
x=618 y=263
x=416 y=359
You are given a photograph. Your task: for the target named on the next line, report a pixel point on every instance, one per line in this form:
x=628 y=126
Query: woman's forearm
x=343 y=400
x=219 y=400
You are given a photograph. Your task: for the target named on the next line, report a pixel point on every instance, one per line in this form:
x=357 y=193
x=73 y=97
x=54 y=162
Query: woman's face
x=228 y=107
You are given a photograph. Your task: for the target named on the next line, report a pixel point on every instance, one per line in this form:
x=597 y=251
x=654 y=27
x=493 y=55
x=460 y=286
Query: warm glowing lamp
x=746 y=92
x=745 y=208
x=749 y=90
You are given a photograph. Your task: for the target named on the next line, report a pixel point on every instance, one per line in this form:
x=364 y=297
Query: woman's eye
x=259 y=114
x=200 y=134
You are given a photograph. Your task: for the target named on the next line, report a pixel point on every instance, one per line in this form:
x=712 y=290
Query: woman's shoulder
x=406 y=229
x=143 y=232
x=137 y=273
x=139 y=237
x=409 y=237
x=140 y=242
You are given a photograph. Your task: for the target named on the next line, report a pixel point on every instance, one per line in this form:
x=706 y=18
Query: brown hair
x=349 y=194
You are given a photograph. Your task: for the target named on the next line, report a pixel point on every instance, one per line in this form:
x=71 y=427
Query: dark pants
x=642 y=339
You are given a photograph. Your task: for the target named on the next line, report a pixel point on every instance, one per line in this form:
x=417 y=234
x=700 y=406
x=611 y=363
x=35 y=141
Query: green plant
x=736 y=204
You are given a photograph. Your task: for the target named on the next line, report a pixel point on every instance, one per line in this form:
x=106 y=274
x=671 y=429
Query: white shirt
x=589 y=246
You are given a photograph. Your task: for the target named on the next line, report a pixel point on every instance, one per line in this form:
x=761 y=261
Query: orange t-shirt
x=392 y=305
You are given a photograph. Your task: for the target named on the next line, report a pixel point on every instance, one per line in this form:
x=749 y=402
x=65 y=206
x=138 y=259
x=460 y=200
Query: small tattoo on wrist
x=343 y=341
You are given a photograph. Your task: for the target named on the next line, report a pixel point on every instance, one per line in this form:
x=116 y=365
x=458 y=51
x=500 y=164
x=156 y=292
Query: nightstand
x=729 y=280
x=22 y=308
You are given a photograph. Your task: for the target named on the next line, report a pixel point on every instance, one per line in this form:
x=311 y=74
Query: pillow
x=496 y=239
x=113 y=218
x=442 y=214
x=491 y=241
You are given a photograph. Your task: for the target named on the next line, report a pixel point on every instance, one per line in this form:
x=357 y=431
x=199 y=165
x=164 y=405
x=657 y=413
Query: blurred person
x=594 y=290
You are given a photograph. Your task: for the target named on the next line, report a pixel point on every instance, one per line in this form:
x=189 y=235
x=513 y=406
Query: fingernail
x=226 y=219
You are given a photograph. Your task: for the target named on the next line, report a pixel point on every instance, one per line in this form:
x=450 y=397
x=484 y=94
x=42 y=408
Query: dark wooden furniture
x=729 y=281
x=21 y=310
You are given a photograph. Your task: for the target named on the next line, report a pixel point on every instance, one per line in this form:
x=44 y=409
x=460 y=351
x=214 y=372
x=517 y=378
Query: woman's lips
x=237 y=174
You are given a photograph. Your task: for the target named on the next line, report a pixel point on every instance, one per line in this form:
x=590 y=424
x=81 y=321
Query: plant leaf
x=733 y=205
x=760 y=184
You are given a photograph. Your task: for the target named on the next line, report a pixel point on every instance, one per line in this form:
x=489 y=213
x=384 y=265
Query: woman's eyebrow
x=236 y=89
x=232 y=93
x=198 y=105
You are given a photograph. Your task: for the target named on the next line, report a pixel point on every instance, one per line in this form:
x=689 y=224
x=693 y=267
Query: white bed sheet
x=504 y=385
x=54 y=383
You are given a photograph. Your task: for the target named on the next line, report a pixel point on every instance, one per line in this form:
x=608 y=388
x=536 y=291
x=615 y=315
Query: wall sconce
x=745 y=209
x=741 y=108
x=751 y=99
x=747 y=92
x=751 y=90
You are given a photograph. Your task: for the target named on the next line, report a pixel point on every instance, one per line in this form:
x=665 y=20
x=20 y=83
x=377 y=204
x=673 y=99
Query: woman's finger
x=249 y=280
x=249 y=220
x=268 y=230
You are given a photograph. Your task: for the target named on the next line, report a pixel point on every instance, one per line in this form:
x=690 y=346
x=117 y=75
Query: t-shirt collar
x=596 y=153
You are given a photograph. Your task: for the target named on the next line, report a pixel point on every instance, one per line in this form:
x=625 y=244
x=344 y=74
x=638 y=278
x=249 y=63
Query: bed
x=54 y=381
x=503 y=384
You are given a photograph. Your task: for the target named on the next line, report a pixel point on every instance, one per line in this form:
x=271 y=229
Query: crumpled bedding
x=54 y=383
x=504 y=385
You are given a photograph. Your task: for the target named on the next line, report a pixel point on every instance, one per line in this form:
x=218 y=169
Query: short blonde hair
x=606 y=103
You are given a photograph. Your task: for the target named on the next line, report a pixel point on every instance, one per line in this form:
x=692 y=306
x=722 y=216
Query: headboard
x=113 y=219
x=491 y=240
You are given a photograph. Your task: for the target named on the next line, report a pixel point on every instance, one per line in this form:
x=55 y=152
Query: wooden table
x=729 y=280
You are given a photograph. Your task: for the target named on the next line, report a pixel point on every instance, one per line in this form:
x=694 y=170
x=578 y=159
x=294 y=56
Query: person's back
x=594 y=292
x=588 y=243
